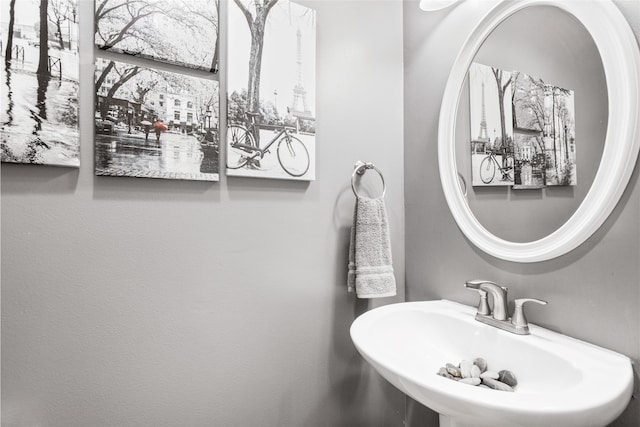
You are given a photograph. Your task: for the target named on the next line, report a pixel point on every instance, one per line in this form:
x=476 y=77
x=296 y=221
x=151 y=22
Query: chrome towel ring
x=359 y=169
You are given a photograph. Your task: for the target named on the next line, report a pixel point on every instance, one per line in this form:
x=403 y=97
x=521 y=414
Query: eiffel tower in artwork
x=299 y=107
x=484 y=136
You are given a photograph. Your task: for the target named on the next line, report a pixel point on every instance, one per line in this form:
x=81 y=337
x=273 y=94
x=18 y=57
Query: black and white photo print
x=492 y=159
x=155 y=124
x=39 y=78
x=528 y=102
x=544 y=117
x=181 y=32
x=271 y=90
x=560 y=137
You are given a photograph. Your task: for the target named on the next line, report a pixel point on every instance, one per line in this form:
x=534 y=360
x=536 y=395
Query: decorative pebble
x=453 y=370
x=465 y=368
x=475 y=371
x=480 y=363
x=490 y=374
x=443 y=373
x=496 y=385
x=470 y=381
x=508 y=378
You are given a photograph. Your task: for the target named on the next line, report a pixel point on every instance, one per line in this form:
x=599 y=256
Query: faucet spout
x=500 y=315
x=499 y=295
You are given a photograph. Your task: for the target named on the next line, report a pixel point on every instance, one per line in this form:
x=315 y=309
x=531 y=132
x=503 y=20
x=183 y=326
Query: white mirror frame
x=621 y=61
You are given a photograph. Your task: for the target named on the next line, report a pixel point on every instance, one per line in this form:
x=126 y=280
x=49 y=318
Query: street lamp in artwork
x=130 y=116
x=208 y=113
x=69 y=26
x=275 y=103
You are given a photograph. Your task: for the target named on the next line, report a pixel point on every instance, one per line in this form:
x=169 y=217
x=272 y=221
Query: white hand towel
x=370 y=265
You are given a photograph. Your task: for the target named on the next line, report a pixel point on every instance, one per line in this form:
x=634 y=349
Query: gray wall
x=593 y=292
x=133 y=302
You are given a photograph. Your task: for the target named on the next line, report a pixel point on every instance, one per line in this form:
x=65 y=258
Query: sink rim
x=440 y=393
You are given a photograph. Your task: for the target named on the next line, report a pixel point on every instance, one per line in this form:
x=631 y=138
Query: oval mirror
x=554 y=161
x=621 y=63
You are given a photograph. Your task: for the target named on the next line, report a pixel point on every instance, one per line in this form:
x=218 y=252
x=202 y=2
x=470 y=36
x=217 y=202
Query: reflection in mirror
x=548 y=43
x=620 y=59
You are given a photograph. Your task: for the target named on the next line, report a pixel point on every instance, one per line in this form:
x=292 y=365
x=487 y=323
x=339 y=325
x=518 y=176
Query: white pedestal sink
x=561 y=381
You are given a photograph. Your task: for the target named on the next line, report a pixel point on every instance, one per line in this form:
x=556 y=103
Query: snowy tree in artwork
x=182 y=32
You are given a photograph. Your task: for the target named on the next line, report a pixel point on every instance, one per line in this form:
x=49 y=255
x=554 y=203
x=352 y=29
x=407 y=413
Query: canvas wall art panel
x=522 y=130
x=560 y=137
x=39 y=78
x=155 y=124
x=528 y=102
x=181 y=32
x=271 y=90
x=491 y=126
x=544 y=116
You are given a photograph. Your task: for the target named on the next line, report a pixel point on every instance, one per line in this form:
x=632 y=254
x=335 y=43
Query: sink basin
x=561 y=381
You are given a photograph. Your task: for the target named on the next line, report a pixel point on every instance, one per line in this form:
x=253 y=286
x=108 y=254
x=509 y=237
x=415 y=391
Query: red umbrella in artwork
x=160 y=125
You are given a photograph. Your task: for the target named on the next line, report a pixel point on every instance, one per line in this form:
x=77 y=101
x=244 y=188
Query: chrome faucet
x=499 y=317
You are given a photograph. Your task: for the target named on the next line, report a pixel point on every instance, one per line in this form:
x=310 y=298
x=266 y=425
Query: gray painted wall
x=593 y=292
x=133 y=302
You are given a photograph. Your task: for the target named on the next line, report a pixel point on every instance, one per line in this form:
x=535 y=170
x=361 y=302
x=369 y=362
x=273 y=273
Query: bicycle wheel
x=238 y=154
x=487 y=170
x=293 y=156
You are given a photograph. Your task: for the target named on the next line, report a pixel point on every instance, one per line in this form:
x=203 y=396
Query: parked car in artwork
x=103 y=126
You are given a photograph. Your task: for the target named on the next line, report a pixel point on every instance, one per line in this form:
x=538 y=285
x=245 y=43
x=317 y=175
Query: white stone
x=490 y=374
x=470 y=381
x=465 y=368
x=475 y=371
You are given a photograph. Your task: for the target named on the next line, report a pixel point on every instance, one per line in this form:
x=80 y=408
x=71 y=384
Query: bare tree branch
x=103 y=75
x=122 y=34
x=247 y=14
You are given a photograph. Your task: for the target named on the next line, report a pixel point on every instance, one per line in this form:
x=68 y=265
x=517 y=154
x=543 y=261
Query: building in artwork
x=155 y=106
x=179 y=111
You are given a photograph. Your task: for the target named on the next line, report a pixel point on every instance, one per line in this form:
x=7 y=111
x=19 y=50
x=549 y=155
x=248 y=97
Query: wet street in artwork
x=175 y=156
x=39 y=118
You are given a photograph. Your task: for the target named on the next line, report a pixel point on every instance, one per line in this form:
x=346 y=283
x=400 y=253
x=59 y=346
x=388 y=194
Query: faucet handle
x=475 y=284
x=483 y=305
x=519 y=320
